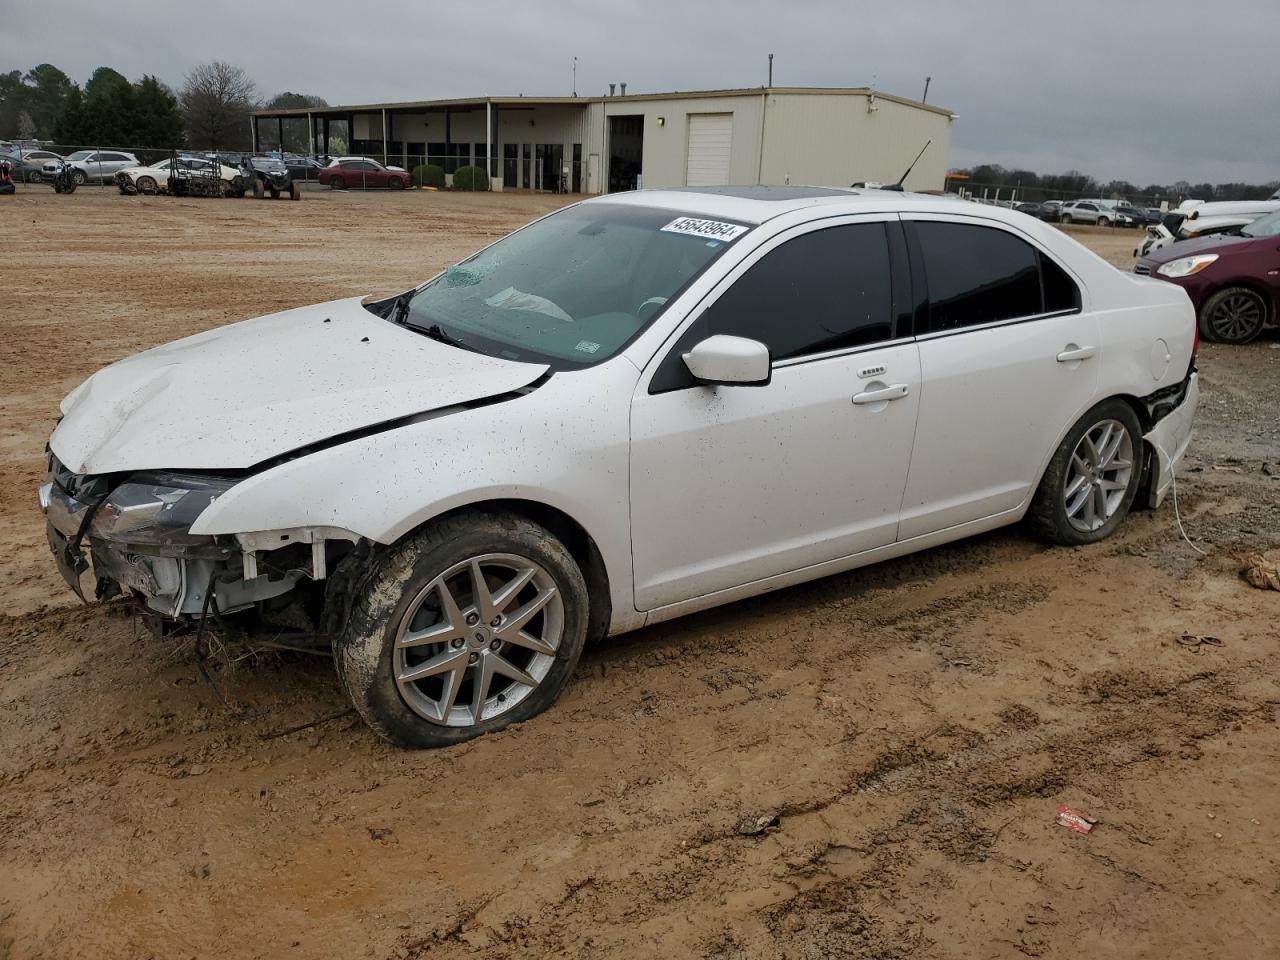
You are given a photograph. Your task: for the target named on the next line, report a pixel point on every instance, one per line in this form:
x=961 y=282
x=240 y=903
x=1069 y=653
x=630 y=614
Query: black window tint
x=1060 y=291
x=825 y=290
x=977 y=275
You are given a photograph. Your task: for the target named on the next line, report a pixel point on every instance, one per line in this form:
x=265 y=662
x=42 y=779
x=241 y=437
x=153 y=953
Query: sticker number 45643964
x=706 y=229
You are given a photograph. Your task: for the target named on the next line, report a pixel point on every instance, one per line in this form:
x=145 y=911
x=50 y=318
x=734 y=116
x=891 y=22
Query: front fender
x=565 y=446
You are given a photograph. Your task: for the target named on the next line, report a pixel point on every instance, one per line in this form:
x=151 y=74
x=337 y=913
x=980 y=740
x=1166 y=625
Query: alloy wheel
x=1238 y=317
x=1098 y=475
x=478 y=639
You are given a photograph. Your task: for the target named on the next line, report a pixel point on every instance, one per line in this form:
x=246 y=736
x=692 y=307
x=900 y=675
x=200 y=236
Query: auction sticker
x=706 y=229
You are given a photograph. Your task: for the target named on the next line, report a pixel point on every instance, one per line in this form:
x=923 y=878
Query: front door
x=734 y=484
x=1009 y=360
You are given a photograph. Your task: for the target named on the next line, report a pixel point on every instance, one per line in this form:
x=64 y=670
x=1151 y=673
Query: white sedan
x=155 y=178
x=634 y=408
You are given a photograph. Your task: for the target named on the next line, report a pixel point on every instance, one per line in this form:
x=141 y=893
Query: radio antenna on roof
x=902 y=179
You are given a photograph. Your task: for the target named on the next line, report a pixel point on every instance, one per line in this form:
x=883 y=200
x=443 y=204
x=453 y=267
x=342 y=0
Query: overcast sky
x=1146 y=91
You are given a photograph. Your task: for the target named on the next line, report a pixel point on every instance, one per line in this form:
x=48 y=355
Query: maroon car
x=362 y=172
x=1234 y=281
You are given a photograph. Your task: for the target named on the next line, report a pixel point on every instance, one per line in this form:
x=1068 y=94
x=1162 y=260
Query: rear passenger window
x=826 y=290
x=978 y=275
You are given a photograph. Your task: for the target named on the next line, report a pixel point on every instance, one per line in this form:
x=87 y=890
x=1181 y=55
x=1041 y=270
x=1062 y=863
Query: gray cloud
x=1151 y=92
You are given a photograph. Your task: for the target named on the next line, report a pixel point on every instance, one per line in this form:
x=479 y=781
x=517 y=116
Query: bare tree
x=217 y=100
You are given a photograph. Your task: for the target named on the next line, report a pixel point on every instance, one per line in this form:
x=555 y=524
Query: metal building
x=776 y=135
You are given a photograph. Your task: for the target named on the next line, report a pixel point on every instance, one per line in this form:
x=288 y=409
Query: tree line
x=1032 y=186
x=210 y=111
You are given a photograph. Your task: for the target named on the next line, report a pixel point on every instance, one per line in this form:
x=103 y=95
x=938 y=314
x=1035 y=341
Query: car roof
x=755 y=205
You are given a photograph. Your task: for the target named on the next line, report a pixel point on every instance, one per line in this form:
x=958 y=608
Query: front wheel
x=475 y=623
x=1104 y=222
x=1234 y=315
x=79 y=177
x=396 y=184
x=1092 y=479
x=1065 y=218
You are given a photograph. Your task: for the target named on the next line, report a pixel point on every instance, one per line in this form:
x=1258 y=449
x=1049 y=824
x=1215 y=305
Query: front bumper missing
x=170 y=585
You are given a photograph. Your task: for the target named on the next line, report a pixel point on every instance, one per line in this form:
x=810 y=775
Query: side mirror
x=730 y=360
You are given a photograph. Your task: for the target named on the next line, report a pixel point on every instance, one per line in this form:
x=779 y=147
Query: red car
x=1234 y=281
x=362 y=172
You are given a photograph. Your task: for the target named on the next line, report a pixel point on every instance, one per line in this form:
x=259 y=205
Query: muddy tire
x=1092 y=480
x=429 y=660
x=258 y=190
x=295 y=191
x=1233 y=315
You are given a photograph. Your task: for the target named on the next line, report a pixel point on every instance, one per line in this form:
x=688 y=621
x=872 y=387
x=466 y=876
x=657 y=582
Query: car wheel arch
x=1144 y=420
x=567 y=529
x=1250 y=284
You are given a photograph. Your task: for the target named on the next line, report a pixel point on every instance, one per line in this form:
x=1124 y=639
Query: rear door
x=1009 y=358
x=734 y=484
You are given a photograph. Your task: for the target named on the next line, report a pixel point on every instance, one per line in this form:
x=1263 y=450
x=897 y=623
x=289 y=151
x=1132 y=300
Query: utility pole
x=771 y=70
x=925 y=97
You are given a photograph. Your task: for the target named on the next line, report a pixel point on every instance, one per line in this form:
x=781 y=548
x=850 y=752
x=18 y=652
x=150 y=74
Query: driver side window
x=829 y=289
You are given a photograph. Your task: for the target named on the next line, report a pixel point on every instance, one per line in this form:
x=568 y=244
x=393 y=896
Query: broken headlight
x=157 y=510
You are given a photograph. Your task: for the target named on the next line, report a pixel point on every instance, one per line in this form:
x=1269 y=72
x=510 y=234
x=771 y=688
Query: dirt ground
x=913 y=727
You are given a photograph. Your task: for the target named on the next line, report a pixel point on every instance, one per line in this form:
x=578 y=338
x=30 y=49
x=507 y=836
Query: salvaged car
x=1233 y=280
x=632 y=409
x=1195 y=219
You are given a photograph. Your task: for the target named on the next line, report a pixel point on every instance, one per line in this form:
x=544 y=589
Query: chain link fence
x=462 y=167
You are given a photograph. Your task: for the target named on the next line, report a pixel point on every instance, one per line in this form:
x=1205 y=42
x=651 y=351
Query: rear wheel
x=295 y=192
x=474 y=623
x=1104 y=222
x=1092 y=479
x=258 y=191
x=1234 y=315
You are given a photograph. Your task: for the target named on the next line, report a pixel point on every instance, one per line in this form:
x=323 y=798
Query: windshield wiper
x=400 y=309
x=437 y=332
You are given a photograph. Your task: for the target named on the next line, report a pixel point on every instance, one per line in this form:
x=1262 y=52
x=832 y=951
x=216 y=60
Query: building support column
x=311 y=136
x=280 y=133
x=384 y=136
x=488 y=142
x=253 y=133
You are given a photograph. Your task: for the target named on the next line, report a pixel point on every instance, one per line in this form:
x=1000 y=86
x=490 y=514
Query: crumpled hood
x=232 y=397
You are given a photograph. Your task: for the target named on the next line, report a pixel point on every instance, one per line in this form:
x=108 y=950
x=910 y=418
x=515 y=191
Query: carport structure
x=522 y=142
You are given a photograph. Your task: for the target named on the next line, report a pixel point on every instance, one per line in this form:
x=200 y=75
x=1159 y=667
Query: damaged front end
x=134 y=533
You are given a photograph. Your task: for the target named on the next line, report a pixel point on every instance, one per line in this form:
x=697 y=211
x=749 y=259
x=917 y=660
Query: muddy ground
x=913 y=727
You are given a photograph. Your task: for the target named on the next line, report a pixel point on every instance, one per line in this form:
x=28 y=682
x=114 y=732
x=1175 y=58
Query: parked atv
x=6 y=178
x=270 y=175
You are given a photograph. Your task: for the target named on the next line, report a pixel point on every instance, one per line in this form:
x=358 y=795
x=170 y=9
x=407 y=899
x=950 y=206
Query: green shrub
x=428 y=175
x=470 y=178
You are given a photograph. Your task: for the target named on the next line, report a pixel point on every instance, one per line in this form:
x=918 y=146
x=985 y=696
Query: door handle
x=895 y=392
x=1072 y=352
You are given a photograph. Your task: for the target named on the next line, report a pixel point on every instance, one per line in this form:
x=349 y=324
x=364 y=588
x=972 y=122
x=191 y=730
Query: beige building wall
x=838 y=139
x=666 y=143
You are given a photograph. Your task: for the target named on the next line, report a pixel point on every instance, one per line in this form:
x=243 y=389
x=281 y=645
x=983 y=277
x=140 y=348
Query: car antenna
x=902 y=179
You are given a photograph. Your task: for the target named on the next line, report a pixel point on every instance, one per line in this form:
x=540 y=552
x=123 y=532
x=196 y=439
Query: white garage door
x=710 y=138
